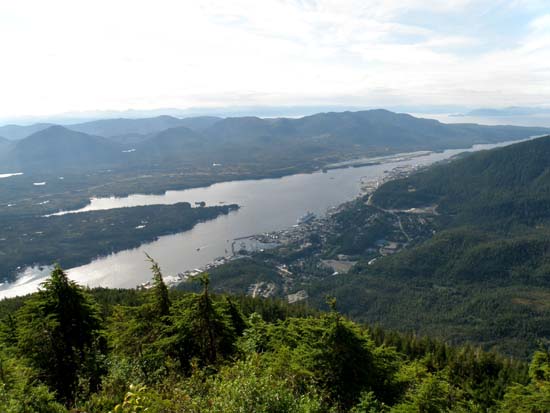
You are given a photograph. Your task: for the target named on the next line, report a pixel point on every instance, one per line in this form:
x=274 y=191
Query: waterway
x=266 y=205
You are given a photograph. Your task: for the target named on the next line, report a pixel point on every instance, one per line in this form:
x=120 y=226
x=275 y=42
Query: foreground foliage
x=167 y=351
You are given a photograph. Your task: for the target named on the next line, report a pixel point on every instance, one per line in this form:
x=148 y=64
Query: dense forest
x=66 y=348
x=76 y=239
x=476 y=269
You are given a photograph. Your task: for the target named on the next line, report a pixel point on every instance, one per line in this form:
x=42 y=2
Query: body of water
x=542 y=120
x=266 y=205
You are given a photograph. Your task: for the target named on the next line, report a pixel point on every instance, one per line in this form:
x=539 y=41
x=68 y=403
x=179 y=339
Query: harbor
x=296 y=235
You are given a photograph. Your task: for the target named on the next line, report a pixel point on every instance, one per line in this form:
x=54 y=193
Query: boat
x=307 y=217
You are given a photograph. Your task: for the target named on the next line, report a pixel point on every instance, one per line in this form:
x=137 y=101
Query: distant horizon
x=517 y=115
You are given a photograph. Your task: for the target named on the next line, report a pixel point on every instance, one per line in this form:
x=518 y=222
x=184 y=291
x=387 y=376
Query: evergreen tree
x=200 y=330
x=19 y=391
x=136 y=331
x=161 y=300
x=535 y=396
x=58 y=333
x=345 y=365
x=8 y=331
x=235 y=316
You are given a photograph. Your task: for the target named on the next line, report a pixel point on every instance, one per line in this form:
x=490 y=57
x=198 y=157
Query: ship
x=307 y=217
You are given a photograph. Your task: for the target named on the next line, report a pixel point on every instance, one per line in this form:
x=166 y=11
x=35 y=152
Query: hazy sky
x=76 y=55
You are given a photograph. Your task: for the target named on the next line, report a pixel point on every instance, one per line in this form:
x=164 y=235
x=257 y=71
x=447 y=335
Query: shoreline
x=362 y=184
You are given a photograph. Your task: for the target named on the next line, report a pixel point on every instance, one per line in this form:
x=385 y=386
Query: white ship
x=307 y=217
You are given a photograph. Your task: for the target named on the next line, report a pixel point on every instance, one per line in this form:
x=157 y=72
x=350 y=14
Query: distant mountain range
x=165 y=140
x=114 y=127
x=509 y=111
x=117 y=127
x=15 y=132
x=264 y=111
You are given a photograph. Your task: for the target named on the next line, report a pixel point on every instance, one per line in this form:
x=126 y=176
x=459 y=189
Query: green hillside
x=478 y=270
x=493 y=214
x=66 y=348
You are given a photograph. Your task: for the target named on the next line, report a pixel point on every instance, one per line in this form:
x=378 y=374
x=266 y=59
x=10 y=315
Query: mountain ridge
x=58 y=146
x=143 y=126
x=113 y=127
x=284 y=141
x=471 y=261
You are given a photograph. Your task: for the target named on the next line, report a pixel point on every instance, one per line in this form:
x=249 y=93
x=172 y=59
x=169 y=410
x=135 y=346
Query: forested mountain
x=4 y=147
x=57 y=147
x=476 y=187
x=66 y=348
x=112 y=128
x=169 y=141
x=494 y=216
x=145 y=126
x=370 y=128
x=476 y=265
x=14 y=132
x=172 y=143
x=199 y=123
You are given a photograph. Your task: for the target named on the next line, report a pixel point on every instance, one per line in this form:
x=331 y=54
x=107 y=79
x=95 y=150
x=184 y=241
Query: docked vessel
x=307 y=217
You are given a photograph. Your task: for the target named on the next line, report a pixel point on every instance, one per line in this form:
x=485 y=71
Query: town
x=307 y=250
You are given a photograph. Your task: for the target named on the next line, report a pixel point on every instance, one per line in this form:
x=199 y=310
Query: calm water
x=267 y=205
x=527 y=120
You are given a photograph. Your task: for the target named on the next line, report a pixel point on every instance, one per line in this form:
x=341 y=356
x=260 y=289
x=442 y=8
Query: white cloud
x=67 y=55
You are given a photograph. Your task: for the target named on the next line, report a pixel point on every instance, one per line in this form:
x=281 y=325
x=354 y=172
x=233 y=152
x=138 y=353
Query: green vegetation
x=130 y=351
x=483 y=276
x=57 y=332
x=120 y=157
x=76 y=239
x=470 y=264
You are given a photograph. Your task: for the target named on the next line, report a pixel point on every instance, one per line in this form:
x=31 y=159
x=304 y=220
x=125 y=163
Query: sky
x=61 y=56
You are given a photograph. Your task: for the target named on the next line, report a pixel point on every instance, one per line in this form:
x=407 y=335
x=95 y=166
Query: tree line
x=68 y=348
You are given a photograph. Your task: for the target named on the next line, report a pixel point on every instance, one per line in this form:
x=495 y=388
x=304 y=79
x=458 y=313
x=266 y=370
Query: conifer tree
x=161 y=300
x=345 y=364
x=58 y=333
x=200 y=330
x=235 y=316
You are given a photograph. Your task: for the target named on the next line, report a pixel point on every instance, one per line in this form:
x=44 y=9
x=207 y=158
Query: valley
x=356 y=249
x=441 y=252
x=281 y=206
x=267 y=205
